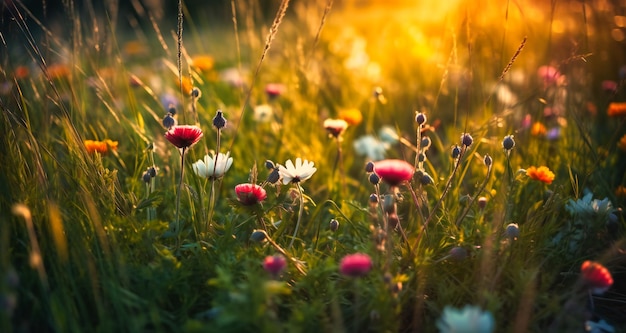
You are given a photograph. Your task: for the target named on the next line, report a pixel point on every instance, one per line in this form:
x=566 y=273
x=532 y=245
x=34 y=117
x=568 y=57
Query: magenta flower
x=355 y=265
x=394 y=172
x=274 y=264
x=548 y=74
x=250 y=194
x=184 y=136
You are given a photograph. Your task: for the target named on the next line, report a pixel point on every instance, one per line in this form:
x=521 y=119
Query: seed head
x=169 y=121
x=466 y=139
x=456 y=152
x=333 y=225
x=420 y=118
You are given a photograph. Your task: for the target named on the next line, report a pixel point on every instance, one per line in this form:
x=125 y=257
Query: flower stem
x=211 y=205
x=295 y=232
x=180 y=187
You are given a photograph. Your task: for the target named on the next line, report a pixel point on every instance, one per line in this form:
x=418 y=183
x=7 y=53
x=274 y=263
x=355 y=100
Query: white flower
x=470 y=319
x=371 y=147
x=587 y=207
x=298 y=173
x=263 y=113
x=213 y=166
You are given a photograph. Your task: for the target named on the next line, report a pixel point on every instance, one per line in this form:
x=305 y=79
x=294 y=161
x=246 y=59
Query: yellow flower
x=622 y=143
x=542 y=174
x=538 y=129
x=617 y=109
x=102 y=147
x=352 y=116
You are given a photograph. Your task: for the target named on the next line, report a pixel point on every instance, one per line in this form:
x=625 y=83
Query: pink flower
x=250 y=194
x=394 y=172
x=274 y=264
x=548 y=74
x=355 y=265
x=184 y=136
x=274 y=89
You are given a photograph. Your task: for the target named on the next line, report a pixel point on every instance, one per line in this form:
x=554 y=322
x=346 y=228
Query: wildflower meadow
x=313 y=166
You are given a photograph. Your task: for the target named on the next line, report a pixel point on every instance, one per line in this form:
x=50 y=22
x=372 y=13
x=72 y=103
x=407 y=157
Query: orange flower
x=542 y=174
x=617 y=109
x=135 y=48
x=622 y=143
x=620 y=191
x=100 y=146
x=58 y=71
x=187 y=85
x=352 y=116
x=203 y=63
x=538 y=129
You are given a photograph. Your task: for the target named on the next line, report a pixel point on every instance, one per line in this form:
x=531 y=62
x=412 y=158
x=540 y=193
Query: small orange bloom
x=542 y=174
x=622 y=143
x=102 y=147
x=538 y=129
x=58 y=71
x=187 y=85
x=620 y=191
x=617 y=109
x=352 y=116
x=135 y=48
x=203 y=63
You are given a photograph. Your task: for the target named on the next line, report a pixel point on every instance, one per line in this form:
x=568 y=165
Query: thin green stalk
x=180 y=187
x=300 y=211
x=211 y=205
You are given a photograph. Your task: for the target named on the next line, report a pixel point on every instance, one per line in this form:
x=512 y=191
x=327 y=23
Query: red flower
x=184 y=136
x=596 y=276
x=355 y=265
x=274 y=264
x=394 y=172
x=250 y=194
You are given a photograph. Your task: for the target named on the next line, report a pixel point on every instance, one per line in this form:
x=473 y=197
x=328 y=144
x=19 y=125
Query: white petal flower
x=213 y=166
x=297 y=173
x=371 y=147
x=470 y=319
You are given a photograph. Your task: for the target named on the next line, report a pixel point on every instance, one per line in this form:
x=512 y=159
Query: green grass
x=87 y=245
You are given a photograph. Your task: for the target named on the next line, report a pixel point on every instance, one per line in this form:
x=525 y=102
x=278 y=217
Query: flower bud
x=374 y=179
x=458 y=253
x=274 y=176
x=258 y=236
x=333 y=225
x=426 y=179
x=146 y=177
x=426 y=142
x=512 y=231
x=196 y=93
x=488 y=160
x=466 y=139
x=373 y=198
x=270 y=165
x=482 y=202
x=169 y=121
x=369 y=167
x=456 y=152
x=219 y=121
x=420 y=118
x=508 y=143
x=172 y=109
x=152 y=171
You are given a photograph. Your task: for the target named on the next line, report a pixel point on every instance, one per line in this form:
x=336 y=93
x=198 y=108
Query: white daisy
x=213 y=166
x=297 y=173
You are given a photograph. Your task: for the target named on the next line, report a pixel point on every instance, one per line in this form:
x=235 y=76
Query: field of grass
x=468 y=166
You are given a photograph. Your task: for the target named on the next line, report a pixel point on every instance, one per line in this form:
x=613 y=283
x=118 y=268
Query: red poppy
x=355 y=265
x=250 y=194
x=394 y=172
x=184 y=136
x=596 y=276
x=274 y=264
